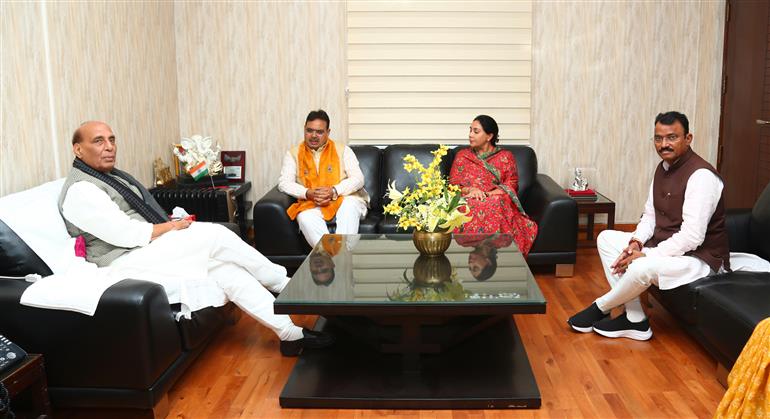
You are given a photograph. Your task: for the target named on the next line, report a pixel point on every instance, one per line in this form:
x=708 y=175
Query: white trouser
x=641 y=273
x=313 y=226
x=214 y=254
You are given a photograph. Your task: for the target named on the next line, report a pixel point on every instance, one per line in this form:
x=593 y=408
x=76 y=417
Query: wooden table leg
x=590 y=227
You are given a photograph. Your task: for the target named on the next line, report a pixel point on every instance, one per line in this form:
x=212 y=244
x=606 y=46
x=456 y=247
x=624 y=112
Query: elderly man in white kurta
x=325 y=179
x=199 y=264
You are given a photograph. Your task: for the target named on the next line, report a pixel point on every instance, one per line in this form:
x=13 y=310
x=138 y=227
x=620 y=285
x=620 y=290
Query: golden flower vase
x=431 y=243
x=431 y=271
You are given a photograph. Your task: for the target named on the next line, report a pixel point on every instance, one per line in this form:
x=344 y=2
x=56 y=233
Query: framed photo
x=234 y=164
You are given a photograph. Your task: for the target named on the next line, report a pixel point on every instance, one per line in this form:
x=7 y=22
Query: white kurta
x=201 y=266
x=665 y=265
x=351 y=211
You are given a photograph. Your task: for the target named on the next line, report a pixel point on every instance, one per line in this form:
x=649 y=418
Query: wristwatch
x=335 y=195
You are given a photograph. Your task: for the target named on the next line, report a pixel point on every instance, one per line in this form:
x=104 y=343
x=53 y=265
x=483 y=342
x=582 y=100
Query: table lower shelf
x=489 y=370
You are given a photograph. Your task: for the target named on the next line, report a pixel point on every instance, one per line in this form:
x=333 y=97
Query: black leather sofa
x=279 y=238
x=721 y=311
x=128 y=355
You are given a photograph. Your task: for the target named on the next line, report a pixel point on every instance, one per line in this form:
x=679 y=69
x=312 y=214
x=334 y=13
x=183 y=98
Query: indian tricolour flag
x=198 y=171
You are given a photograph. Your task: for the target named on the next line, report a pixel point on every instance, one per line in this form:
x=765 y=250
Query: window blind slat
x=439 y=68
x=438 y=6
x=439 y=100
x=439 y=83
x=439 y=36
x=439 y=20
x=439 y=52
x=437 y=132
x=456 y=116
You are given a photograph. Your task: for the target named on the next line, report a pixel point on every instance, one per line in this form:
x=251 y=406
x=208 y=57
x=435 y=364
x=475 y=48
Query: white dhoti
x=666 y=272
x=207 y=265
x=349 y=214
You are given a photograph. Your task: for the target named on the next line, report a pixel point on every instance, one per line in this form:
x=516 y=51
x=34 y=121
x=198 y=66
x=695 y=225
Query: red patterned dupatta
x=483 y=159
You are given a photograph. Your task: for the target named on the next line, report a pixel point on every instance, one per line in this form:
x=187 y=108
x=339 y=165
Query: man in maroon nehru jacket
x=681 y=236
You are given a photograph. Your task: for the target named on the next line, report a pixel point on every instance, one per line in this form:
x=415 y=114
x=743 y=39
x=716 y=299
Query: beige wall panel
x=438 y=6
x=444 y=84
x=436 y=116
x=391 y=51
x=597 y=86
x=443 y=68
x=115 y=62
x=25 y=130
x=436 y=132
x=250 y=72
x=444 y=35
x=440 y=19
x=109 y=61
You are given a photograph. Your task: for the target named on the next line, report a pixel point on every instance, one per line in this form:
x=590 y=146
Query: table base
x=488 y=370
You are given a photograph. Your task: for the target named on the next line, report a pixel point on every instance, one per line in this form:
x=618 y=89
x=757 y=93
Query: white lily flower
x=393 y=193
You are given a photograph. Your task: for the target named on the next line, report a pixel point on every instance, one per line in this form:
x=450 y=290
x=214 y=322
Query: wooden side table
x=602 y=205
x=28 y=379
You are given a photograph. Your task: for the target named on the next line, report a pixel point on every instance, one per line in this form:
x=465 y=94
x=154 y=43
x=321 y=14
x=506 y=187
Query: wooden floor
x=241 y=374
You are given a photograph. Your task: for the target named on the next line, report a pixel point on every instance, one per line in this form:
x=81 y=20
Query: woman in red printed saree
x=489 y=180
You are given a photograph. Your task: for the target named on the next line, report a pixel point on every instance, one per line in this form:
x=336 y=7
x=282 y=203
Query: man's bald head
x=94 y=143
x=77 y=136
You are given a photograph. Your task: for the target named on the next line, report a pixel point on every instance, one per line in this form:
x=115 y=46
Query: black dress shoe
x=310 y=339
x=584 y=321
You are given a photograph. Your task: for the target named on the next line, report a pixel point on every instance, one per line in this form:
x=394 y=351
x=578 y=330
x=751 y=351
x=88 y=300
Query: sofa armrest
x=274 y=232
x=737 y=223
x=555 y=213
x=128 y=343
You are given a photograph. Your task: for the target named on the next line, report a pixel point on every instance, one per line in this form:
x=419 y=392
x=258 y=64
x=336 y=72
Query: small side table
x=602 y=205
x=28 y=378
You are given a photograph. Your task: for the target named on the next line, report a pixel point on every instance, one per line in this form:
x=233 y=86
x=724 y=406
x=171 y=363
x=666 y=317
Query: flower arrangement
x=434 y=205
x=450 y=290
x=198 y=156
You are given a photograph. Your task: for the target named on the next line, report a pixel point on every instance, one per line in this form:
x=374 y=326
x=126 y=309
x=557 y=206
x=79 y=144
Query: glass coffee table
x=413 y=332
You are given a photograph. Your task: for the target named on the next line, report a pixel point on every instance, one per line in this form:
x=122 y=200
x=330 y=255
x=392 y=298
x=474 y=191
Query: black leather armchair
x=721 y=311
x=280 y=240
x=127 y=355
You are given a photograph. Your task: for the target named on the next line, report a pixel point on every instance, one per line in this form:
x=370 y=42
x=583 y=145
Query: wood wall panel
x=603 y=70
x=109 y=61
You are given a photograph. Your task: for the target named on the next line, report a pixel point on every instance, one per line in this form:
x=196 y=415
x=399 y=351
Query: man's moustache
x=666 y=149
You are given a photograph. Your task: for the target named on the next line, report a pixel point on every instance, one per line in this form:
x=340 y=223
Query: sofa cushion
x=196 y=330
x=526 y=165
x=393 y=165
x=681 y=301
x=369 y=224
x=16 y=258
x=727 y=312
x=759 y=228
x=370 y=161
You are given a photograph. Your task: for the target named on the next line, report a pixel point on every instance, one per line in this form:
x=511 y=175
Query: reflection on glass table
x=387 y=269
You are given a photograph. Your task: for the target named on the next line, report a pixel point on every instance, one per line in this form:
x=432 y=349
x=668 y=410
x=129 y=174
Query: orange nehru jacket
x=310 y=176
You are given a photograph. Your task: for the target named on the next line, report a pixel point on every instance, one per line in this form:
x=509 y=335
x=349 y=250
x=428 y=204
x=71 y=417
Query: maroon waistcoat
x=668 y=191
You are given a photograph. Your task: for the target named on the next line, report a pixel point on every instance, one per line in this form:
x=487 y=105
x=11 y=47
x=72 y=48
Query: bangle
x=637 y=241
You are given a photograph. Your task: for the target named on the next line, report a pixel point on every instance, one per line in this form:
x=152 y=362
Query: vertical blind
x=420 y=71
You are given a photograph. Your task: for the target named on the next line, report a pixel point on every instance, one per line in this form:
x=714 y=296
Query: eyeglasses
x=318 y=132
x=671 y=138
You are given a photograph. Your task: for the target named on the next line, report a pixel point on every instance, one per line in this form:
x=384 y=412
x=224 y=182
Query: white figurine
x=198 y=149
x=580 y=183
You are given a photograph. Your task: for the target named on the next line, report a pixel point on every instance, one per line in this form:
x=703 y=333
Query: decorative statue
x=580 y=183
x=162 y=173
x=198 y=149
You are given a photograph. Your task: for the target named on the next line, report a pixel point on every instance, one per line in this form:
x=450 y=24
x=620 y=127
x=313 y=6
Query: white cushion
x=34 y=216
